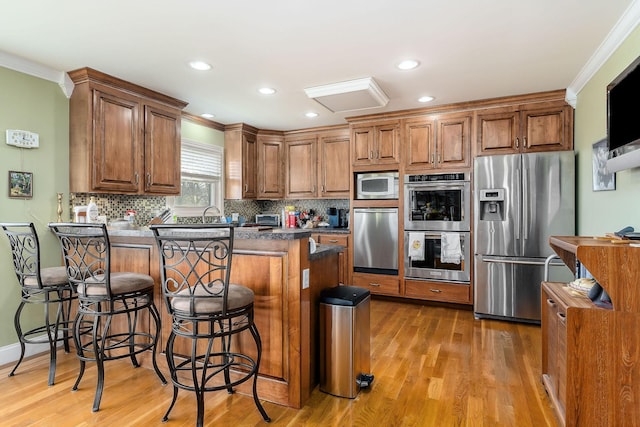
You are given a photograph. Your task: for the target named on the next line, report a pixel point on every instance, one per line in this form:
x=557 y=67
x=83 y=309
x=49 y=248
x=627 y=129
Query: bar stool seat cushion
x=209 y=300
x=50 y=276
x=121 y=283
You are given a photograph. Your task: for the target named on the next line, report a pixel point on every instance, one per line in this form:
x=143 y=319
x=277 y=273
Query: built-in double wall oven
x=437 y=237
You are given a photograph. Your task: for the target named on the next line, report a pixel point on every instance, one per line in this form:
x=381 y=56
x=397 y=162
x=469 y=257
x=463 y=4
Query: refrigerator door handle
x=525 y=203
x=521 y=261
x=517 y=229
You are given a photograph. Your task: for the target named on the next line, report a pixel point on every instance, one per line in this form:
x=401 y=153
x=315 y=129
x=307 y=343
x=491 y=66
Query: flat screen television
x=623 y=119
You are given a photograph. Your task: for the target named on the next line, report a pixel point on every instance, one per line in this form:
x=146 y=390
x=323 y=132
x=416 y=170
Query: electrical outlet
x=305 y=278
x=22 y=138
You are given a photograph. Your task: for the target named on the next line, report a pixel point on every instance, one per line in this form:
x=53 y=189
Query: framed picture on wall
x=20 y=185
x=602 y=179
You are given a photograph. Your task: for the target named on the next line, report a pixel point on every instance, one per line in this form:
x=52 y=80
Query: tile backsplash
x=114 y=206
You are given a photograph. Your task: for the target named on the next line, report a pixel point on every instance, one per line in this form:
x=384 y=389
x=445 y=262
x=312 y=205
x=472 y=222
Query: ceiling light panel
x=351 y=95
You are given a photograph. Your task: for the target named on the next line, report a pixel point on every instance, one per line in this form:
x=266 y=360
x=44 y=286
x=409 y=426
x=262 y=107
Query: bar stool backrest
x=87 y=253
x=195 y=265
x=25 y=252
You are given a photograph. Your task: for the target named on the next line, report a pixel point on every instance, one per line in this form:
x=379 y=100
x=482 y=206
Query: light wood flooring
x=433 y=366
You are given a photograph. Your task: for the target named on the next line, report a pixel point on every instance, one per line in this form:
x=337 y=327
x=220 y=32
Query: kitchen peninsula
x=273 y=264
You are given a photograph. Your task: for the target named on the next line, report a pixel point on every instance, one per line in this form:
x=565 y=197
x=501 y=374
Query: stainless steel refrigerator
x=520 y=200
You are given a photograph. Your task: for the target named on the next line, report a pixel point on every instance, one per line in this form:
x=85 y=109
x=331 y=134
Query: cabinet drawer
x=333 y=239
x=378 y=283
x=437 y=291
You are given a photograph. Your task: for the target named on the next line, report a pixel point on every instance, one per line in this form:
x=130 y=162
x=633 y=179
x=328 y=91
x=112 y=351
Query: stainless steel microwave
x=377 y=185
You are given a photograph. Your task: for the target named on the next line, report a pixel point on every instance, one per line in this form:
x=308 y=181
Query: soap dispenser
x=92 y=210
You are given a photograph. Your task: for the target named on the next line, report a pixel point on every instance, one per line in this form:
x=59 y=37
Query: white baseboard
x=11 y=353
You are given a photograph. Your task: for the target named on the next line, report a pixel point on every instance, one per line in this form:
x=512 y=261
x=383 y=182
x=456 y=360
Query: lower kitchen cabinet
x=378 y=284
x=438 y=291
x=343 y=257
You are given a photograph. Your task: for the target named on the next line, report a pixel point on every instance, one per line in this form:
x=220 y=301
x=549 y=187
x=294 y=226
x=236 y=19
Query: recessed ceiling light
x=311 y=114
x=200 y=65
x=408 y=64
x=207 y=116
x=426 y=99
x=267 y=90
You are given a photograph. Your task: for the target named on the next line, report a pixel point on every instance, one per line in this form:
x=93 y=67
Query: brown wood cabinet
x=241 y=162
x=318 y=164
x=302 y=166
x=525 y=128
x=344 y=269
x=123 y=138
x=378 y=284
x=437 y=142
x=270 y=159
x=334 y=164
x=590 y=355
x=375 y=143
x=438 y=291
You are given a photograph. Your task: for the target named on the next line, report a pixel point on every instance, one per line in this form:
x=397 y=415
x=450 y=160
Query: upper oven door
x=437 y=206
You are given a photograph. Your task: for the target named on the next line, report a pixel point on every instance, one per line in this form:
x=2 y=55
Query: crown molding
x=37 y=70
x=618 y=34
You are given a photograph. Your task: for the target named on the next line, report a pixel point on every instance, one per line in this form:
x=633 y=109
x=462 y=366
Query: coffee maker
x=332 y=213
x=338 y=218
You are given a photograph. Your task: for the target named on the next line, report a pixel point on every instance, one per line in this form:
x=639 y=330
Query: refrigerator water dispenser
x=492 y=204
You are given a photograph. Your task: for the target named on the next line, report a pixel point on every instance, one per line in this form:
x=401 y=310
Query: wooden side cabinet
x=590 y=354
x=122 y=138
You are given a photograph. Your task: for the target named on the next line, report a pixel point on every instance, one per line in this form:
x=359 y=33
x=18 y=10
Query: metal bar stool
x=104 y=295
x=47 y=286
x=206 y=311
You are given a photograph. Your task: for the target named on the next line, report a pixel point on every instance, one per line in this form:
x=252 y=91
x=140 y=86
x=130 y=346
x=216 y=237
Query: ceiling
x=467 y=49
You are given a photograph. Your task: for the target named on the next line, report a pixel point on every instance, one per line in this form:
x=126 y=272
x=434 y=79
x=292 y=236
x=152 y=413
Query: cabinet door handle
x=439 y=158
x=437 y=291
x=550 y=302
x=524 y=142
x=246 y=188
x=517 y=142
x=433 y=158
x=149 y=179
x=333 y=241
x=137 y=178
x=561 y=316
x=371 y=155
x=374 y=284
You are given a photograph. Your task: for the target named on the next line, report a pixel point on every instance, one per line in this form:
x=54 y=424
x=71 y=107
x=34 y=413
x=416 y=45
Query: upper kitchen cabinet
x=270 y=178
x=526 y=128
x=375 y=143
x=302 y=166
x=334 y=164
x=124 y=139
x=241 y=162
x=318 y=164
x=437 y=142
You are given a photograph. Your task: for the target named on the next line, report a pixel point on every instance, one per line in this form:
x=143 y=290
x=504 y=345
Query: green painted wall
x=604 y=211
x=37 y=105
x=196 y=132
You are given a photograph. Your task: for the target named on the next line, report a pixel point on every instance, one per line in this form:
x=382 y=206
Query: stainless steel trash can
x=345 y=340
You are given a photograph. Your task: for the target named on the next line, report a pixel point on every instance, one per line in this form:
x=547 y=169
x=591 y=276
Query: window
x=201 y=179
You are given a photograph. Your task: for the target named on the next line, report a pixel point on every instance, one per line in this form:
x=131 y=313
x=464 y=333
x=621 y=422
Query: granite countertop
x=241 y=233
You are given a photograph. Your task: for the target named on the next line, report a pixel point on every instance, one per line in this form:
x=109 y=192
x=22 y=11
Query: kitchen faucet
x=205 y=212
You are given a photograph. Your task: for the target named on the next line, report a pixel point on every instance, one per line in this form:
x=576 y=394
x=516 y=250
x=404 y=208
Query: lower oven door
x=434 y=260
